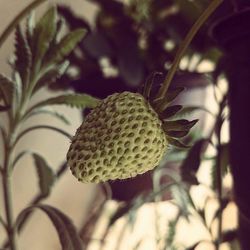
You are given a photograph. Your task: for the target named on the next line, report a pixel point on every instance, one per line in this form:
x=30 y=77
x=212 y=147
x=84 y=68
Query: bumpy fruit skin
x=120 y=138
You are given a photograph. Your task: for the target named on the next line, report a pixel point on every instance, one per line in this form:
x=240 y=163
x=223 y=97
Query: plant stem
x=184 y=45
x=18 y=19
x=10 y=227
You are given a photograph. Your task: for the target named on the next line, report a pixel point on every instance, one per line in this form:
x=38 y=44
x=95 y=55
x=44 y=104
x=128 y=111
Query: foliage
x=137 y=39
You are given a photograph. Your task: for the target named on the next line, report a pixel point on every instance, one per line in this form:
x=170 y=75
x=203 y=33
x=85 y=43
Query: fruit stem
x=18 y=19
x=184 y=45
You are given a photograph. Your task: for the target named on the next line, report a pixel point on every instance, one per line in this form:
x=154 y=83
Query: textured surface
x=120 y=138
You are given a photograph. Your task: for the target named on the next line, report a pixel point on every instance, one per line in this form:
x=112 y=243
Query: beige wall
x=68 y=195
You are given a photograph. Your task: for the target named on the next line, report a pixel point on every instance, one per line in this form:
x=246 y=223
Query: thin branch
x=184 y=45
x=24 y=132
x=18 y=19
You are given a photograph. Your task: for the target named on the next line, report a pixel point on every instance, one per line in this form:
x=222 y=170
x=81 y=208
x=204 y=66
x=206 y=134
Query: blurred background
x=126 y=42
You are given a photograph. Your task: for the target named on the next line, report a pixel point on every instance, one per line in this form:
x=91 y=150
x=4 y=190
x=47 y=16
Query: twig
x=184 y=45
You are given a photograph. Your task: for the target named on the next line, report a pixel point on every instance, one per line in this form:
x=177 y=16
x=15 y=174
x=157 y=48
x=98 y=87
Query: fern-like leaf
x=23 y=56
x=74 y=100
x=65 y=46
x=44 y=33
x=6 y=89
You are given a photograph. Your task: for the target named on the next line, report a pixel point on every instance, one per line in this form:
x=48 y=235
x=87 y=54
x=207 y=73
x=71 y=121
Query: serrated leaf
x=66 y=230
x=178 y=125
x=170 y=111
x=45 y=174
x=23 y=55
x=52 y=75
x=65 y=46
x=51 y=112
x=73 y=100
x=44 y=33
x=6 y=89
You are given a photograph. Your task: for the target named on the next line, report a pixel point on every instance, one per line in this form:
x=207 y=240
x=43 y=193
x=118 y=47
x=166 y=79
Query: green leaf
x=6 y=89
x=52 y=75
x=177 y=143
x=45 y=174
x=66 y=230
x=65 y=46
x=23 y=55
x=178 y=125
x=44 y=33
x=17 y=94
x=170 y=111
x=51 y=112
x=73 y=100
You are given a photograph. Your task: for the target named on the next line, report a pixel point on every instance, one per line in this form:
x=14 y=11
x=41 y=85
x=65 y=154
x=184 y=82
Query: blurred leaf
x=189 y=80
x=172 y=226
x=4 y=108
x=66 y=230
x=224 y=164
x=192 y=162
x=193 y=247
x=65 y=46
x=129 y=62
x=45 y=174
x=120 y=212
x=6 y=89
x=224 y=159
x=229 y=235
x=177 y=134
x=178 y=125
x=149 y=83
x=171 y=111
x=187 y=110
x=97 y=45
x=181 y=198
x=44 y=33
x=23 y=56
x=224 y=204
x=52 y=75
x=177 y=143
x=170 y=96
x=73 y=100
x=51 y=112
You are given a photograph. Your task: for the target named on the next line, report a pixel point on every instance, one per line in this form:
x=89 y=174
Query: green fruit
x=120 y=138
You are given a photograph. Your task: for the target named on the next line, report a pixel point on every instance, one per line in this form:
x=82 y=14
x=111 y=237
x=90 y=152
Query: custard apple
x=120 y=138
